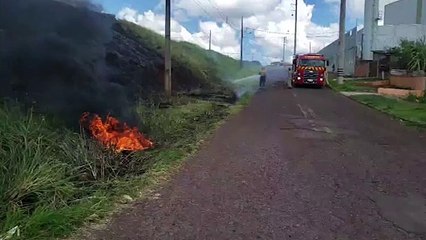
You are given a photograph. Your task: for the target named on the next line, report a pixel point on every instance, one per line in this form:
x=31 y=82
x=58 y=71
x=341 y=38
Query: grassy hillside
x=205 y=64
x=54 y=179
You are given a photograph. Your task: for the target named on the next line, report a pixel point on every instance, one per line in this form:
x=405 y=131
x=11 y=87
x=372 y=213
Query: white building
x=403 y=19
x=405 y=12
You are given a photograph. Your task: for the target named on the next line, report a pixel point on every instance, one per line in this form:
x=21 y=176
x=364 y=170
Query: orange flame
x=115 y=135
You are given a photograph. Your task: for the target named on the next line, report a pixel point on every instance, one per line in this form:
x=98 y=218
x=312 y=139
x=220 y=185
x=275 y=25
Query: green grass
x=53 y=180
x=243 y=102
x=415 y=99
x=412 y=112
x=208 y=65
x=350 y=86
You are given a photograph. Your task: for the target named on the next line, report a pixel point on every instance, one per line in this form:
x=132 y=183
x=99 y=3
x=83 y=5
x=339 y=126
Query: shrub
x=411 y=55
x=42 y=169
x=31 y=173
x=52 y=179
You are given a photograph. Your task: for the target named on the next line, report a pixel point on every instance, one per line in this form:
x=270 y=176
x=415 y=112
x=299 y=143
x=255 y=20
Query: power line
x=266 y=31
x=320 y=36
x=289 y=33
x=201 y=7
x=243 y=30
x=218 y=10
x=280 y=37
x=222 y=16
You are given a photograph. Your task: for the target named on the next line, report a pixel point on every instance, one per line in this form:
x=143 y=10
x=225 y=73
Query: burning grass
x=114 y=134
x=52 y=180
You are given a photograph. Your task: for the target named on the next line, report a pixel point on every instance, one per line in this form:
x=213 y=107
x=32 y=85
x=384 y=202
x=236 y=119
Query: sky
x=267 y=23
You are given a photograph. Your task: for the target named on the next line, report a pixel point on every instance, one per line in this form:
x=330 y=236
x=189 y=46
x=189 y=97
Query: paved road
x=251 y=84
x=295 y=164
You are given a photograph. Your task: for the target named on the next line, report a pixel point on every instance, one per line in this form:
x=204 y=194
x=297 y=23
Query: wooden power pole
x=295 y=30
x=167 y=53
x=341 y=55
x=284 y=48
x=242 y=42
x=210 y=40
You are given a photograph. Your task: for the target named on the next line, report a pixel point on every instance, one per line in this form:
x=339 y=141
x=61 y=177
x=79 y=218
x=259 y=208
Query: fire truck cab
x=309 y=69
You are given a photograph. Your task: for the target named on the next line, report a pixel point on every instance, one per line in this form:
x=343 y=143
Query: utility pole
x=284 y=48
x=242 y=42
x=310 y=47
x=341 y=56
x=295 y=30
x=167 y=54
x=210 y=40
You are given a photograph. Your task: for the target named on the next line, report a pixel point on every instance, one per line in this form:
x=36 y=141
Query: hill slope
x=59 y=60
x=192 y=66
x=60 y=54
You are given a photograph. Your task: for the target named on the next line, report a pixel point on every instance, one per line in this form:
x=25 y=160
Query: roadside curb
x=349 y=94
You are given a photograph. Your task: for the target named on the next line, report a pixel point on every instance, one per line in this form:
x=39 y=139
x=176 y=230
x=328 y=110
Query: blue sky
x=323 y=14
x=268 y=46
x=113 y=6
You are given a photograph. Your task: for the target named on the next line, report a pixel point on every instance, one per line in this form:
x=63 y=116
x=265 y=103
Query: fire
x=114 y=134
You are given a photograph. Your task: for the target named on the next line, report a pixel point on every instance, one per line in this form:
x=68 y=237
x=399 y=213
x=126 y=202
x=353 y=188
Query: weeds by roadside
x=411 y=112
x=53 y=180
x=413 y=98
x=350 y=86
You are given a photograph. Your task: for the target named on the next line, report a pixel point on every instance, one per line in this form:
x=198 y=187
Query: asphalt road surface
x=295 y=164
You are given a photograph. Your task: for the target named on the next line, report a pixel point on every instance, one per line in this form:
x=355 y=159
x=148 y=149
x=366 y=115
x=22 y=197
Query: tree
x=411 y=55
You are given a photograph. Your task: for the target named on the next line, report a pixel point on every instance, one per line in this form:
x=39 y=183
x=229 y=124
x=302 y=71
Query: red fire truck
x=309 y=69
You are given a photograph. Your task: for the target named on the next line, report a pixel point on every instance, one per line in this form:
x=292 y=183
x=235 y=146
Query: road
x=295 y=164
x=276 y=75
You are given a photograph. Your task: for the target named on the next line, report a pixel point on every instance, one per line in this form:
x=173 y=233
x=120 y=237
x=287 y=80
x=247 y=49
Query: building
x=353 y=47
x=405 y=12
x=365 y=49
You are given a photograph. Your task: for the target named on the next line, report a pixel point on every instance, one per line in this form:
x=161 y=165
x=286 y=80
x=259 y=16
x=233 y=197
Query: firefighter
x=290 y=76
x=262 y=79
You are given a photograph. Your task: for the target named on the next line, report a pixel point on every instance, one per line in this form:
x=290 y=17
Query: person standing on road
x=290 y=76
x=262 y=79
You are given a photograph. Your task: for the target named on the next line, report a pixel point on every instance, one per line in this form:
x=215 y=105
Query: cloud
x=273 y=26
x=355 y=8
x=223 y=36
x=267 y=23
x=220 y=9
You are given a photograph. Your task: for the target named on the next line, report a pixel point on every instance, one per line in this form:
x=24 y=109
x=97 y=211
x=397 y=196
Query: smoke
x=52 y=57
x=83 y=4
